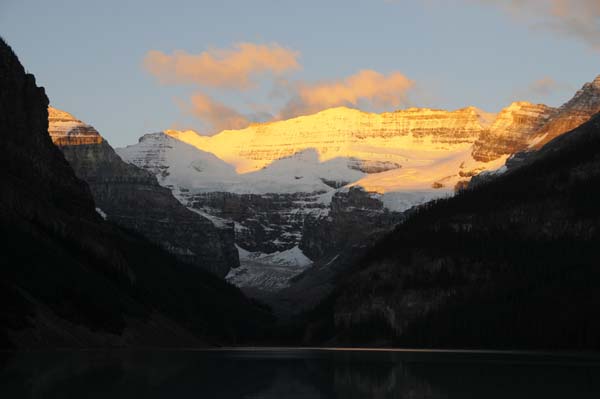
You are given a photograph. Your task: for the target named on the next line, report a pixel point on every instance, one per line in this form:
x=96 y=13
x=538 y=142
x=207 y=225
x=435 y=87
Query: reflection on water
x=285 y=373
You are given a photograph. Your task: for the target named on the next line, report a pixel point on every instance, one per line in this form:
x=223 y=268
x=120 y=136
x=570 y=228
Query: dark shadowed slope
x=514 y=263
x=68 y=278
x=131 y=197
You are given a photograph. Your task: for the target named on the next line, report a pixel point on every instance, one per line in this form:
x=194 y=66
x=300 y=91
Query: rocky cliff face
x=132 y=198
x=65 y=130
x=543 y=128
x=524 y=126
x=263 y=223
x=335 y=239
x=570 y=115
x=511 y=131
x=354 y=214
x=71 y=279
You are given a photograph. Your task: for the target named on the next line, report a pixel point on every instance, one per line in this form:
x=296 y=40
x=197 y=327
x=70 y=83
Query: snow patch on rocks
x=101 y=213
x=268 y=272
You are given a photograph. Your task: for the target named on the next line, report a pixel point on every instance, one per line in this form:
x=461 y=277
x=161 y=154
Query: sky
x=132 y=67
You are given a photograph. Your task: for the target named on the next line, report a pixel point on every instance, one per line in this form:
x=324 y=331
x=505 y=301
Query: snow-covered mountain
x=270 y=179
x=276 y=180
x=342 y=146
x=423 y=152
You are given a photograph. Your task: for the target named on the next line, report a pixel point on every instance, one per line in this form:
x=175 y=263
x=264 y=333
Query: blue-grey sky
x=89 y=55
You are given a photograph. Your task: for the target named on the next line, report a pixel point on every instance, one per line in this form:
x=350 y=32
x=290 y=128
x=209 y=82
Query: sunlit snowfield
x=299 y=373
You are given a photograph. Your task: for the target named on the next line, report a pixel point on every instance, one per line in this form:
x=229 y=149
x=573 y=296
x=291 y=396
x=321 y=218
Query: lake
x=298 y=373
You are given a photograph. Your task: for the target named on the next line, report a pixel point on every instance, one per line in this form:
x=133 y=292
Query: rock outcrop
x=263 y=223
x=354 y=214
x=65 y=130
x=511 y=131
x=570 y=115
x=131 y=197
x=525 y=127
x=543 y=128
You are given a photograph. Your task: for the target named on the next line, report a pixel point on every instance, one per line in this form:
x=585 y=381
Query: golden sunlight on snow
x=426 y=146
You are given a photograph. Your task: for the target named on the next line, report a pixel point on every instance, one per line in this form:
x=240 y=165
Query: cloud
x=216 y=114
x=236 y=68
x=544 y=87
x=365 y=87
x=247 y=67
x=579 y=19
x=541 y=90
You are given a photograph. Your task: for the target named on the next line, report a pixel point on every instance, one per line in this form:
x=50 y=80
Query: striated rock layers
x=132 y=198
x=65 y=130
x=344 y=132
x=570 y=115
x=511 y=131
x=554 y=123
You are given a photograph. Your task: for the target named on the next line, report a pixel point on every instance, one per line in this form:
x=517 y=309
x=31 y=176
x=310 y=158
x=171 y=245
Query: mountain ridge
x=509 y=264
x=132 y=198
x=272 y=179
x=579 y=109
x=70 y=279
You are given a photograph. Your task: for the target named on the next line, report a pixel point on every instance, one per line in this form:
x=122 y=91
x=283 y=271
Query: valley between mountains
x=275 y=200
x=341 y=227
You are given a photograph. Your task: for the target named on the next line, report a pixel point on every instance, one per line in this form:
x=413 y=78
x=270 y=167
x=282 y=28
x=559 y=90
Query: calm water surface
x=298 y=373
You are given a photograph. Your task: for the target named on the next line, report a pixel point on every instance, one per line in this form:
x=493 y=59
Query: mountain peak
x=153 y=136
x=518 y=105
x=55 y=114
x=511 y=130
x=339 y=110
x=526 y=106
x=588 y=98
x=65 y=129
x=473 y=108
x=592 y=86
x=579 y=109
